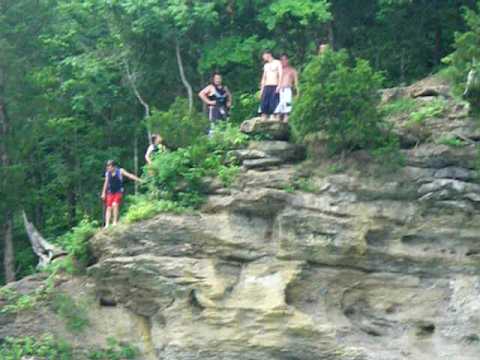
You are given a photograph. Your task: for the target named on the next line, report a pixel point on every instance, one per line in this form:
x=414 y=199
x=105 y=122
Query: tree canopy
x=78 y=78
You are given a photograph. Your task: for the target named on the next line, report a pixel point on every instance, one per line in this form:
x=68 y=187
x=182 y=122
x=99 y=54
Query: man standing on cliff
x=270 y=85
x=288 y=83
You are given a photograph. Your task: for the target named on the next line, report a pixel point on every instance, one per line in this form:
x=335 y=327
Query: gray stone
x=262 y=163
x=273 y=130
x=283 y=150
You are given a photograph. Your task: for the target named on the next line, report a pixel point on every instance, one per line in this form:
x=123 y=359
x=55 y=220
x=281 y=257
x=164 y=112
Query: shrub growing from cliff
x=466 y=56
x=178 y=126
x=177 y=180
x=341 y=100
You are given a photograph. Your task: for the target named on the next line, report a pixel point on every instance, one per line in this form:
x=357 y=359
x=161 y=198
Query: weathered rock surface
x=355 y=267
x=272 y=130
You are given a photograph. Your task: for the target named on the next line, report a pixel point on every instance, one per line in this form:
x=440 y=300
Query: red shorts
x=115 y=198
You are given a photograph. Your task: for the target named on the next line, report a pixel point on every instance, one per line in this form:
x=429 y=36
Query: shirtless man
x=270 y=86
x=289 y=82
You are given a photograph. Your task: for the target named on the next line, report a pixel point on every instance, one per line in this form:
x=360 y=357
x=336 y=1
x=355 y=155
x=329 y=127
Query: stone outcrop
x=270 y=130
x=347 y=266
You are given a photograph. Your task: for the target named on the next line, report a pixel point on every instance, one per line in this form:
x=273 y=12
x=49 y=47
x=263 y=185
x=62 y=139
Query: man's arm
x=130 y=176
x=204 y=96
x=230 y=97
x=280 y=75
x=262 y=82
x=104 y=189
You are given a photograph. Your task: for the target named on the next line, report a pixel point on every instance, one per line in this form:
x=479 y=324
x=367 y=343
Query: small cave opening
x=425 y=329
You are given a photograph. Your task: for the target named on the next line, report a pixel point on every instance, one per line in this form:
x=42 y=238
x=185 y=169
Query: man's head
x=284 y=60
x=157 y=139
x=111 y=165
x=217 y=79
x=267 y=55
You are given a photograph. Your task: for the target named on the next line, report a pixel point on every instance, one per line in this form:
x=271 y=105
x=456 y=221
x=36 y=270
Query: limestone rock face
x=353 y=266
x=360 y=268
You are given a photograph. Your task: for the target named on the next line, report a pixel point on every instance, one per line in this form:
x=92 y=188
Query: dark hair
x=284 y=55
x=155 y=137
x=267 y=51
x=215 y=74
x=111 y=163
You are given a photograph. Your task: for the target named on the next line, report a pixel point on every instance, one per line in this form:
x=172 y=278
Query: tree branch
x=183 y=77
x=45 y=251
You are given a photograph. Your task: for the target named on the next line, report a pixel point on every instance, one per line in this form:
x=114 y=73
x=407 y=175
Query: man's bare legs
x=108 y=216
x=115 y=208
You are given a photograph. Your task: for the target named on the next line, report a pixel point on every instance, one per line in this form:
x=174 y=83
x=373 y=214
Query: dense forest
x=80 y=81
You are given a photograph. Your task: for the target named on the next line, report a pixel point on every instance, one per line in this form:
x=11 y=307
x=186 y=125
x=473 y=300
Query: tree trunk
x=8 y=253
x=141 y=100
x=183 y=77
x=45 y=251
x=135 y=160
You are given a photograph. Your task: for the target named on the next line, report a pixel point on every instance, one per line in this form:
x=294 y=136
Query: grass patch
x=75 y=315
x=47 y=347
x=451 y=141
x=399 y=106
x=433 y=109
x=115 y=351
x=144 y=208
x=16 y=303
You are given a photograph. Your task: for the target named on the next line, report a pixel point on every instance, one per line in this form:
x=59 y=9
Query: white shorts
x=286 y=98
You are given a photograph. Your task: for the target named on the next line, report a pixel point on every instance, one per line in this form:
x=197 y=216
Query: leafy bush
x=179 y=176
x=74 y=314
x=245 y=107
x=144 y=207
x=341 y=100
x=431 y=110
x=75 y=242
x=178 y=126
x=114 y=351
x=466 y=56
x=389 y=156
x=44 y=348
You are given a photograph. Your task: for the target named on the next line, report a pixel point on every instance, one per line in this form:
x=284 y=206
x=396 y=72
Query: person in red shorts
x=112 y=192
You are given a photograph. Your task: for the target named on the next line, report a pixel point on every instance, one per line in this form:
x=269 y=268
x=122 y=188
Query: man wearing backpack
x=112 y=192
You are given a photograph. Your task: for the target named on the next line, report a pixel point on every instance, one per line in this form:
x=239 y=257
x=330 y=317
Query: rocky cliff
x=303 y=260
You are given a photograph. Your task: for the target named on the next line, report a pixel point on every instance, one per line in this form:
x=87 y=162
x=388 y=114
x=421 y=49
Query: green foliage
x=16 y=302
x=178 y=126
x=144 y=207
x=75 y=242
x=304 y=184
x=466 y=56
x=245 y=107
x=75 y=315
x=433 y=109
x=304 y=11
x=114 y=351
x=451 y=141
x=400 y=106
x=388 y=156
x=341 y=100
x=179 y=175
x=44 y=348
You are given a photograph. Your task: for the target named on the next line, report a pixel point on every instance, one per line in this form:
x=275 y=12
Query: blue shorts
x=270 y=100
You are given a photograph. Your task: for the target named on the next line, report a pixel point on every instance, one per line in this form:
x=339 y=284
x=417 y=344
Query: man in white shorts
x=288 y=84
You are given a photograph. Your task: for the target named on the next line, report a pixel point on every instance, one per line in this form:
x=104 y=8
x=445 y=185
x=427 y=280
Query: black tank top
x=220 y=96
x=115 y=182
